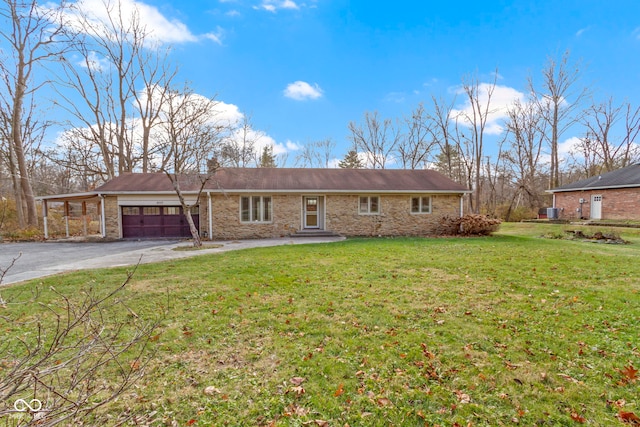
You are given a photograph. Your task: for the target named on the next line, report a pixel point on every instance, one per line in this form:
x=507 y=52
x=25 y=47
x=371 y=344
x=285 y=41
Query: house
x=613 y=195
x=242 y=203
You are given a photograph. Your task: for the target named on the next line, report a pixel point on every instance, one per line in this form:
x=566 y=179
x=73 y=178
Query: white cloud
x=161 y=29
x=301 y=91
x=274 y=5
x=94 y=62
x=581 y=31
x=501 y=99
x=292 y=146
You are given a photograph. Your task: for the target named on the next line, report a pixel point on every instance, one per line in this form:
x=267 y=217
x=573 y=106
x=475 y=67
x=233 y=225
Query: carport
x=67 y=199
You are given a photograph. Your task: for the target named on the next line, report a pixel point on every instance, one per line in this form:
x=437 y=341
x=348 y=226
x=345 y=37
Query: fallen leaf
x=297 y=380
x=463 y=397
x=577 y=417
x=298 y=390
x=211 y=390
x=383 y=401
x=135 y=365
x=629 y=417
x=339 y=391
x=191 y=422
x=629 y=373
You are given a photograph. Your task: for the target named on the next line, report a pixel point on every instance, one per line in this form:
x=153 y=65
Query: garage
x=157 y=222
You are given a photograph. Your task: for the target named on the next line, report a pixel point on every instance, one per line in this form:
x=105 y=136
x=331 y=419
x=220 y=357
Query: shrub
x=468 y=225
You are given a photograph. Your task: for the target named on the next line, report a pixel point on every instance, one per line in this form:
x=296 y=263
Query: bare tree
x=448 y=160
x=190 y=135
x=416 y=145
x=239 y=148
x=600 y=148
x=526 y=131
x=316 y=154
x=377 y=139
x=474 y=120
x=122 y=79
x=77 y=355
x=559 y=99
x=30 y=35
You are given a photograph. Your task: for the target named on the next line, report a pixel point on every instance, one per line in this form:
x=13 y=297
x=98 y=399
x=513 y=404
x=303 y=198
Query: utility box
x=552 y=213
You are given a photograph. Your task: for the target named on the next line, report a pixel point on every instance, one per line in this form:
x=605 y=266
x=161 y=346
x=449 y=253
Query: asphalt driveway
x=34 y=260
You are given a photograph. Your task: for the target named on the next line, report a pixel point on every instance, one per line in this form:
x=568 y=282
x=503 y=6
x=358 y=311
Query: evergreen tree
x=267 y=159
x=351 y=161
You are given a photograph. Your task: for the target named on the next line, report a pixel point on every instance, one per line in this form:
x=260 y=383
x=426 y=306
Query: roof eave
x=605 y=187
x=326 y=191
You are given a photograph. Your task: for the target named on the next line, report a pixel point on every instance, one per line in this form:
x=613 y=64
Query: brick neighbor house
x=243 y=203
x=612 y=195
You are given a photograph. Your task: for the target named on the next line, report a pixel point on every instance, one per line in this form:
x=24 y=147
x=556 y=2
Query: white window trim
x=368 y=212
x=420 y=212
x=261 y=213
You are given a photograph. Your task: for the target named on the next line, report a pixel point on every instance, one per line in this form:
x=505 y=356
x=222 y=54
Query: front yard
x=511 y=329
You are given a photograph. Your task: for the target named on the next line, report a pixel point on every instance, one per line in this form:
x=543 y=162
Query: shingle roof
x=621 y=178
x=288 y=180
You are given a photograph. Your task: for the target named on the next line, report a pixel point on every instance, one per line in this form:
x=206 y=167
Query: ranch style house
x=247 y=203
x=612 y=196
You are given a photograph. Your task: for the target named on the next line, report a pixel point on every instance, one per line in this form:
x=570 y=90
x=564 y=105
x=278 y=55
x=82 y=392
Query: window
x=255 y=209
x=151 y=210
x=130 y=210
x=172 y=210
x=421 y=205
x=369 y=205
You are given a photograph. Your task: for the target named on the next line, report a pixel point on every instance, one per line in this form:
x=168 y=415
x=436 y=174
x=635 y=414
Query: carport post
x=44 y=218
x=84 y=218
x=209 y=215
x=66 y=217
x=103 y=230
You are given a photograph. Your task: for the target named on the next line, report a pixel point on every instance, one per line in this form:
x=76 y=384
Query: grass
x=502 y=330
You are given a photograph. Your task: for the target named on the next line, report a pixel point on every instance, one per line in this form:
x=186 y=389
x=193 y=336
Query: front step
x=315 y=233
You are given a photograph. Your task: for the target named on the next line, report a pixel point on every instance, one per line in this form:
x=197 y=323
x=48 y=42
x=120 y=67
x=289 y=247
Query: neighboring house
x=612 y=195
x=242 y=203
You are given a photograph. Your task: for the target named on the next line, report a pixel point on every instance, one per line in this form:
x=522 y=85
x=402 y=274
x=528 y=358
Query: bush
x=468 y=225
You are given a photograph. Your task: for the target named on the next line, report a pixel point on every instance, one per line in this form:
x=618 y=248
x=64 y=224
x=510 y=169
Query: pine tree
x=267 y=159
x=351 y=161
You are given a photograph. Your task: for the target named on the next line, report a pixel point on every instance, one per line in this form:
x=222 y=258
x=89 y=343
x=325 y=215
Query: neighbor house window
x=255 y=209
x=369 y=205
x=421 y=205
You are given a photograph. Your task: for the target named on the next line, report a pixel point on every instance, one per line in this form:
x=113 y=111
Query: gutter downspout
x=461 y=205
x=210 y=214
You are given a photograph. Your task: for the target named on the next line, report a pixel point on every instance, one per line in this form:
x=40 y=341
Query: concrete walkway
x=34 y=260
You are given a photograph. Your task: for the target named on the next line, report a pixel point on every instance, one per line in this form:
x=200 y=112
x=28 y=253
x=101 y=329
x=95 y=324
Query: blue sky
x=303 y=69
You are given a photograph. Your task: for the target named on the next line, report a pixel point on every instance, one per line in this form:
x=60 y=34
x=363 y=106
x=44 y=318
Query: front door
x=596 y=207
x=311 y=218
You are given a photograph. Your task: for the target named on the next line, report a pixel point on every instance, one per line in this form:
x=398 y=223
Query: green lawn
x=502 y=330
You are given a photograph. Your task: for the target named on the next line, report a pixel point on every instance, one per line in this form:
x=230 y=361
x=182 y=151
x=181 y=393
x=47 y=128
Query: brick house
x=613 y=195
x=244 y=203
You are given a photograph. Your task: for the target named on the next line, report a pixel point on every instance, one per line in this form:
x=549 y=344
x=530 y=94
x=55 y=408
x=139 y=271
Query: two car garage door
x=156 y=221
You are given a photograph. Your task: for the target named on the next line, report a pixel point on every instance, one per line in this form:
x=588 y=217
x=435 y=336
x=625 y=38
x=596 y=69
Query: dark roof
x=290 y=180
x=621 y=178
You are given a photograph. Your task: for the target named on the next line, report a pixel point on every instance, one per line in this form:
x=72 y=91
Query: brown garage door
x=154 y=222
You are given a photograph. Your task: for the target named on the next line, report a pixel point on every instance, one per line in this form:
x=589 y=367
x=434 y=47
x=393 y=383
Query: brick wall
x=618 y=204
x=341 y=216
x=112 y=217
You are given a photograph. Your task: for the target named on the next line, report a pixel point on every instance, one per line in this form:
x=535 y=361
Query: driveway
x=36 y=260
